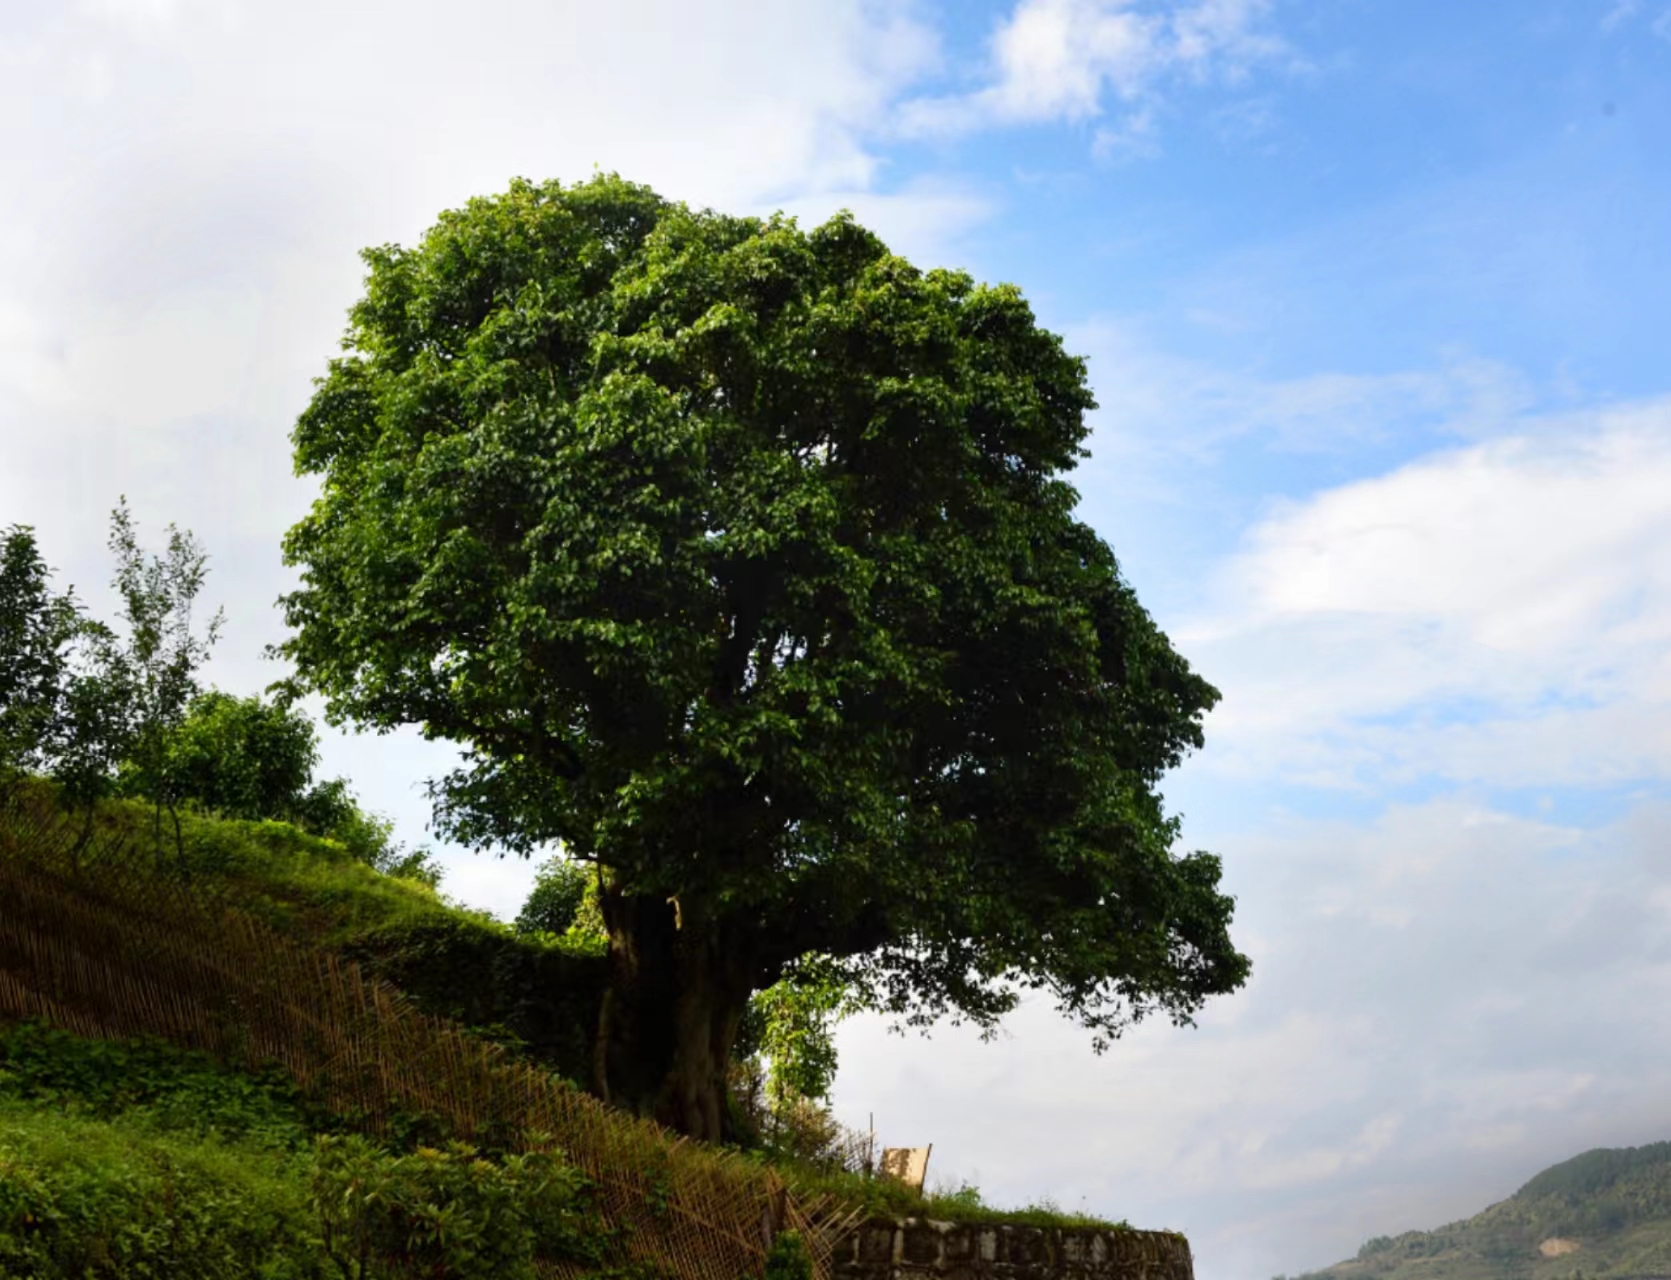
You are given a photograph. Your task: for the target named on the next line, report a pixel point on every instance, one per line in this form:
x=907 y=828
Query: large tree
x=739 y=559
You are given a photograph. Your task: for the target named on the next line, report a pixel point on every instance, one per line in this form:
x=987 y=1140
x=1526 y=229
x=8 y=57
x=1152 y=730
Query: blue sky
x=1373 y=296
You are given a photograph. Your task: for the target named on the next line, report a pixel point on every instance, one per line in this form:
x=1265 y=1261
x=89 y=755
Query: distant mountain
x=1604 y=1215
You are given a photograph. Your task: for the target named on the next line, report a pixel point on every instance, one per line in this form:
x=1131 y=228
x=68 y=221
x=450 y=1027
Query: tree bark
x=679 y=985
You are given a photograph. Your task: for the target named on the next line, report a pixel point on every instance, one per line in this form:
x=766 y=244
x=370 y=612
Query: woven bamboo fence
x=99 y=947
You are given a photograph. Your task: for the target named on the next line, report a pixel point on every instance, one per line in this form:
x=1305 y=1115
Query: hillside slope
x=1602 y=1215
x=535 y=994
x=217 y=952
x=390 y=1012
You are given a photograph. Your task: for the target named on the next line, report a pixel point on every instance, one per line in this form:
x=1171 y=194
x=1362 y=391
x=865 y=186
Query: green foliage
x=331 y=809
x=554 y=903
x=167 y=1088
x=136 y=1158
x=83 y=1199
x=326 y=807
x=964 y=1199
x=792 y=1025
x=535 y=994
x=788 y=1259
x=448 y=1212
x=563 y=909
x=1596 y=1171
x=95 y=728
x=118 y=1198
x=66 y=702
x=251 y=759
x=741 y=561
x=110 y=702
x=241 y=757
x=37 y=628
x=158 y=663
x=785 y=1060
x=369 y=837
x=965 y=1205
x=888 y=1198
x=310 y=885
x=111 y=716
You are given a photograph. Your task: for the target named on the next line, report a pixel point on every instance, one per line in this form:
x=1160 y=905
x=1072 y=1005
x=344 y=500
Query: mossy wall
x=919 y=1249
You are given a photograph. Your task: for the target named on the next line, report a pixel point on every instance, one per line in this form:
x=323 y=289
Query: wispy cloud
x=1158 y=403
x=1624 y=13
x=1069 y=60
x=1133 y=137
x=1621 y=12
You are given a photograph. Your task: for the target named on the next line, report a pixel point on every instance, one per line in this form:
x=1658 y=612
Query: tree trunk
x=679 y=984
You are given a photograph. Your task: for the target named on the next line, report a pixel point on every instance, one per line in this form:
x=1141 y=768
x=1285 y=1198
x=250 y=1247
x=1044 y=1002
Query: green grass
x=155 y=1086
x=87 y=1197
x=135 y=1159
x=886 y=1198
x=307 y=885
x=535 y=993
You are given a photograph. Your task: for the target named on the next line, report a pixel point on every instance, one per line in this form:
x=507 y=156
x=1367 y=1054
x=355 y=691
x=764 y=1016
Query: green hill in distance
x=1603 y=1215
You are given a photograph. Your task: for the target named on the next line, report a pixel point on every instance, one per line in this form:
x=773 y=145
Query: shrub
x=788 y=1259
x=81 y=1199
x=448 y=1212
x=88 y=1199
x=151 y=1083
x=241 y=757
x=139 y=1159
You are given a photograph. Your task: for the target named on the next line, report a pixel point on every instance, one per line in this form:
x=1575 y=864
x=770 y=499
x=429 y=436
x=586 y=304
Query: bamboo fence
x=103 y=947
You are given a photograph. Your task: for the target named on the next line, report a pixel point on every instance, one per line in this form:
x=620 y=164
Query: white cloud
x=1065 y=59
x=1444 y=1001
x=197 y=227
x=1526 y=540
x=1055 y=57
x=1498 y=614
x=1446 y=996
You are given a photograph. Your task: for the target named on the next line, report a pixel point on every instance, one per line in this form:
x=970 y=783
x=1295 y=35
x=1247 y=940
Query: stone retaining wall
x=920 y=1249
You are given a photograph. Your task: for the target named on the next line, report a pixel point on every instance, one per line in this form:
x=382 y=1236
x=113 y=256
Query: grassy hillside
x=535 y=994
x=1603 y=1215
x=263 y=1025
x=125 y=1159
x=235 y=949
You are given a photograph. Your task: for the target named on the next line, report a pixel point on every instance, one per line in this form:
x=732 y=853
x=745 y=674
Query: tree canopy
x=740 y=560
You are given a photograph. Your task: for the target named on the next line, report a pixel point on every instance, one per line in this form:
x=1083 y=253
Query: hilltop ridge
x=1604 y=1214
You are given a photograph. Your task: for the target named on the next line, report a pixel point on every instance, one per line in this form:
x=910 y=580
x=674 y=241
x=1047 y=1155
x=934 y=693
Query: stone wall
x=919 y=1249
